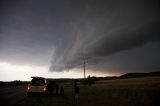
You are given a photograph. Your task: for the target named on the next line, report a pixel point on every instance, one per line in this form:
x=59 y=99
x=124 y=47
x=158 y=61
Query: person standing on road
x=76 y=91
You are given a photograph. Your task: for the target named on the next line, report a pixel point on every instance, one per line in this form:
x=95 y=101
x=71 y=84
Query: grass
x=121 y=92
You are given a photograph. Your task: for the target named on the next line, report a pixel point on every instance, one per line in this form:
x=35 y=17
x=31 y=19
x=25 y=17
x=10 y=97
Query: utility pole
x=84 y=69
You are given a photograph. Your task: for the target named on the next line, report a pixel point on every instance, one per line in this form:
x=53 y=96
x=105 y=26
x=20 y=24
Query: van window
x=38 y=82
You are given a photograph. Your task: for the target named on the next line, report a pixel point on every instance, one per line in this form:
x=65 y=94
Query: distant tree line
x=11 y=83
x=137 y=75
x=92 y=79
x=89 y=80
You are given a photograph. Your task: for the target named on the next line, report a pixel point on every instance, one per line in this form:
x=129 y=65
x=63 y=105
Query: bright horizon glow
x=10 y=72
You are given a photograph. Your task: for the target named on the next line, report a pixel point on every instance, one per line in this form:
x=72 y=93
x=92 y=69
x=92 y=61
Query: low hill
x=135 y=75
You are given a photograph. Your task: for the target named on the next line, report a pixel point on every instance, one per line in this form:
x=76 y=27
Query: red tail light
x=28 y=88
x=44 y=88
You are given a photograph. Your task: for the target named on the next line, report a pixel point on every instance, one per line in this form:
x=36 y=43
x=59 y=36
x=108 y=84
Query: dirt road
x=16 y=96
x=11 y=95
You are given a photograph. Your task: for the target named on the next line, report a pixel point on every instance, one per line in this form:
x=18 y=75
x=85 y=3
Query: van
x=37 y=85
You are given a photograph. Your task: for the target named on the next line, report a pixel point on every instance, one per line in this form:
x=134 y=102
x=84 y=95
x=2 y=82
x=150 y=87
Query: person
x=62 y=91
x=76 y=91
x=57 y=88
x=50 y=88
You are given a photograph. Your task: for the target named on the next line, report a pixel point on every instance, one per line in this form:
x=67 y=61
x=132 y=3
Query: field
x=120 y=92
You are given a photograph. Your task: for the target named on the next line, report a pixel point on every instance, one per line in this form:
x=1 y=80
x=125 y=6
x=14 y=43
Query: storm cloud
x=65 y=33
x=103 y=30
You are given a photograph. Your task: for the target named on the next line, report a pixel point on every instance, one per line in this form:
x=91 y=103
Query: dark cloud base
x=67 y=33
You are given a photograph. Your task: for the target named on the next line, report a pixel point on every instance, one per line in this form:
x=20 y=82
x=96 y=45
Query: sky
x=53 y=38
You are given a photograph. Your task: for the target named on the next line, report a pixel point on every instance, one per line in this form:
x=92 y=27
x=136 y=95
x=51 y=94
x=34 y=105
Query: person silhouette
x=57 y=88
x=76 y=91
x=50 y=88
x=62 y=91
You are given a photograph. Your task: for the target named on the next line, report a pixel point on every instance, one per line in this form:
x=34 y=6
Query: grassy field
x=122 y=92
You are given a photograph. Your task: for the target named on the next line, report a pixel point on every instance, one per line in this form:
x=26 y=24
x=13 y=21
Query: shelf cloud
x=110 y=35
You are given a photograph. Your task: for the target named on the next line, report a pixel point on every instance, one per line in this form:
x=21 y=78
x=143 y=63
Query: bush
x=89 y=80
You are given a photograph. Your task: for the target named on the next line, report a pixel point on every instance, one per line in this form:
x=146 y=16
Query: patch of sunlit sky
x=10 y=72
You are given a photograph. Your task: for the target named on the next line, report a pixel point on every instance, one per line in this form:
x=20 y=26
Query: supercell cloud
x=112 y=35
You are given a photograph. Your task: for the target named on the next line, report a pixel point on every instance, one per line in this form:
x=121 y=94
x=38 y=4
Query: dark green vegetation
x=89 y=80
x=121 y=92
x=138 y=75
x=12 y=83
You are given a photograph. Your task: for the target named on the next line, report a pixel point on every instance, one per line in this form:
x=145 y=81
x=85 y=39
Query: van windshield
x=38 y=81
